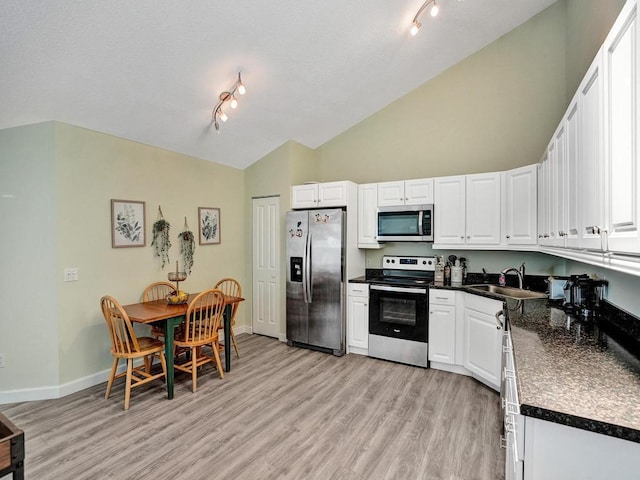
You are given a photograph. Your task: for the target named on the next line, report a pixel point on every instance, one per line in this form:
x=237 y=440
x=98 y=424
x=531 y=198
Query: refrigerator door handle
x=305 y=267
x=308 y=273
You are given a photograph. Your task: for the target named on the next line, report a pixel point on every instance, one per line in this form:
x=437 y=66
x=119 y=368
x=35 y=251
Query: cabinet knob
x=508 y=236
x=468 y=236
x=462 y=237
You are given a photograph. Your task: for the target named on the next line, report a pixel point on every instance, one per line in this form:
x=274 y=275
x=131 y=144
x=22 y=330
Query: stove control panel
x=409 y=263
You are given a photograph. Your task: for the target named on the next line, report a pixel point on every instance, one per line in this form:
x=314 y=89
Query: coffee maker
x=583 y=295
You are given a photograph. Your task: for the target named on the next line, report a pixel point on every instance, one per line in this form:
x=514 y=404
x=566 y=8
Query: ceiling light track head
x=415 y=24
x=224 y=97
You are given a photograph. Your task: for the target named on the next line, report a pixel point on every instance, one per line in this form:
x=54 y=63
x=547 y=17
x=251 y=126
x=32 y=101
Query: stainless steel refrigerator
x=315 y=283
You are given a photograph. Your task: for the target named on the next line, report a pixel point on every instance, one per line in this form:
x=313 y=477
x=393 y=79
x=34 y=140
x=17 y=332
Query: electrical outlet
x=2 y=361
x=71 y=274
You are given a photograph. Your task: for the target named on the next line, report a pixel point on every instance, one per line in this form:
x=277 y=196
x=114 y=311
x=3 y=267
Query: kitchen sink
x=510 y=292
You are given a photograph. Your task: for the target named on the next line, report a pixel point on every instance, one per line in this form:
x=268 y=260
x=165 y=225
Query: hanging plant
x=187 y=247
x=161 y=240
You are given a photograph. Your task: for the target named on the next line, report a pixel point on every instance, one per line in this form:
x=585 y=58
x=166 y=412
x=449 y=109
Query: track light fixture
x=224 y=97
x=415 y=24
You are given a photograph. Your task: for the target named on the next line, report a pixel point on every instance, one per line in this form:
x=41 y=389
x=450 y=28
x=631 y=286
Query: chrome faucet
x=519 y=272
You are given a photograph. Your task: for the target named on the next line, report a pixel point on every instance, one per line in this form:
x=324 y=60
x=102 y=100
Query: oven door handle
x=398 y=289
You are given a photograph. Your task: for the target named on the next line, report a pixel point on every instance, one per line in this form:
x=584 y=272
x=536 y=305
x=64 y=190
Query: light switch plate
x=71 y=274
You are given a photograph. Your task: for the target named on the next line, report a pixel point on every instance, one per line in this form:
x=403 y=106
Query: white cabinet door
x=358 y=318
x=543 y=201
x=483 y=339
x=390 y=193
x=449 y=210
x=442 y=333
x=559 y=198
x=314 y=195
x=418 y=191
x=591 y=158
x=572 y=181
x=333 y=194
x=304 y=196
x=521 y=206
x=367 y=215
x=622 y=134
x=482 y=209
x=552 y=185
x=408 y=192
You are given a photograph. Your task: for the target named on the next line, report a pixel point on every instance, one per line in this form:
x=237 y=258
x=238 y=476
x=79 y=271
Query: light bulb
x=434 y=10
x=234 y=102
x=241 y=88
x=415 y=28
x=222 y=115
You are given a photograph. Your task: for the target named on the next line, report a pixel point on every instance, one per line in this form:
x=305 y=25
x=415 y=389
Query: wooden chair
x=202 y=323
x=157 y=291
x=125 y=345
x=232 y=288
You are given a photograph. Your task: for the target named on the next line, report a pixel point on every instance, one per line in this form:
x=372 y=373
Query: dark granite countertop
x=361 y=279
x=573 y=372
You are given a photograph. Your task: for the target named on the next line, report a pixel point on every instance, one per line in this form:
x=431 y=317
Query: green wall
x=28 y=241
x=493 y=111
x=69 y=176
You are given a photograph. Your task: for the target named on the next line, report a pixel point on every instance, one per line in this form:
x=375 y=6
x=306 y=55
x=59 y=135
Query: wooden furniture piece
x=11 y=449
x=201 y=326
x=231 y=288
x=127 y=346
x=169 y=316
x=157 y=291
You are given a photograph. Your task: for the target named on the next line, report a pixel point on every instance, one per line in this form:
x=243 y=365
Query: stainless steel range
x=399 y=310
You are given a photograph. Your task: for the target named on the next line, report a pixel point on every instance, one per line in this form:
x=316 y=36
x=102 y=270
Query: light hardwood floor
x=281 y=413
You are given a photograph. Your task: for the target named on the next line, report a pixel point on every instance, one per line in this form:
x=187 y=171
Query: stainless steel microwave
x=405 y=223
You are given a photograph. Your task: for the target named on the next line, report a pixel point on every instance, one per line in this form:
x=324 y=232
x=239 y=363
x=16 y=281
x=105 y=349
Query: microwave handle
x=420 y=221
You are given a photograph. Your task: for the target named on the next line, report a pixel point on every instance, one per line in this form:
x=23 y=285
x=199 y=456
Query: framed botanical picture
x=209 y=221
x=127 y=224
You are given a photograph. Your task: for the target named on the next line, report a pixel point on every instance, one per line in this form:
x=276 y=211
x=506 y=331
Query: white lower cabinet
x=442 y=326
x=557 y=452
x=483 y=323
x=358 y=318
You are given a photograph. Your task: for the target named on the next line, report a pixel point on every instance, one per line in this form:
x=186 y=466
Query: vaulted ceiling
x=151 y=70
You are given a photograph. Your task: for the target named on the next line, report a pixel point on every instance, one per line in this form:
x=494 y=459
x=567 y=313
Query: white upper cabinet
x=319 y=195
x=304 y=196
x=543 y=200
x=449 y=210
x=552 y=185
x=591 y=157
x=406 y=192
x=483 y=209
x=467 y=209
x=572 y=179
x=559 y=198
x=621 y=66
x=521 y=206
x=368 y=215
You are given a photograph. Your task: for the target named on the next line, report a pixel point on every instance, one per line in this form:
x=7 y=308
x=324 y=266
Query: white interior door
x=266 y=266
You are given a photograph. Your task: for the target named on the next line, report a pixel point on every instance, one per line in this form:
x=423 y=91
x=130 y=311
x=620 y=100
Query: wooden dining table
x=170 y=316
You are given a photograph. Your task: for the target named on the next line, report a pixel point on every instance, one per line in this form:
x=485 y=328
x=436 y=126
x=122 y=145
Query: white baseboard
x=459 y=369
x=358 y=350
x=48 y=393
x=282 y=338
